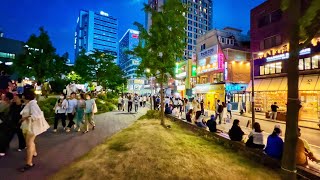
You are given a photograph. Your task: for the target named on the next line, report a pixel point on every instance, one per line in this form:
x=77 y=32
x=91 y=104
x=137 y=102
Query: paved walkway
x=57 y=150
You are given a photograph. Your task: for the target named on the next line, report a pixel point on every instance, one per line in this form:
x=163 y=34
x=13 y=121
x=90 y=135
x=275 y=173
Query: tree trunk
x=293 y=102
x=162 y=102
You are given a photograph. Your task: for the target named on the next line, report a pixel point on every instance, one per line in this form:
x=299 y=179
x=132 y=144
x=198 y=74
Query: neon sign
x=286 y=55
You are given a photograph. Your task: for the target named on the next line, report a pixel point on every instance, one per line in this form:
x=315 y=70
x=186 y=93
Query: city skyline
x=59 y=17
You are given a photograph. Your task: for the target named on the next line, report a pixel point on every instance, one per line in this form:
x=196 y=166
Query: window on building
x=301 y=67
x=189 y=28
x=267 y=69
x=189 y=34
x=195 y=30
x=189 y=22
x=189 y=41
x=195 y=36
x=203 y=47
x=195 y=24
x=190 y=16
x=223 y=40
x=278 y=67
x=272 y=68
x=194 y=42
x=189 y=47
x=195 y=18
x=276 y=16
x=307 y=63
x=270 y=42
x=261 y=70
x=315 y=62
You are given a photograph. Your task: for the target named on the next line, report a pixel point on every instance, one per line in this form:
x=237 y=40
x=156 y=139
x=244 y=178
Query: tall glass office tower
x=198 y=17
x=96 y=31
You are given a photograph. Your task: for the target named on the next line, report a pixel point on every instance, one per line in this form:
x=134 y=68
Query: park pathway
x=57 y=150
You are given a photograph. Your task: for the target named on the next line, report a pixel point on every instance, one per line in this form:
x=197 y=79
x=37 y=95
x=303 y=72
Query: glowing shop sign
x=181 y=75
x=208 y=52
x=286 y=55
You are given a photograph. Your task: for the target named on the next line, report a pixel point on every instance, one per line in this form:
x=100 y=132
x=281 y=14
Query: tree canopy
x=40 y=59
x=164 y=43
x=99 y=67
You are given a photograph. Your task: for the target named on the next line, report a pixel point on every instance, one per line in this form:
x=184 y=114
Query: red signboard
x=136 y=36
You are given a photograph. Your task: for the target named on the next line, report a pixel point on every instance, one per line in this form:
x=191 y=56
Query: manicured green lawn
x=147 y=150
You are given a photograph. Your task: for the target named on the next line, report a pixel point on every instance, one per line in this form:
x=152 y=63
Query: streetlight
x=253 y=115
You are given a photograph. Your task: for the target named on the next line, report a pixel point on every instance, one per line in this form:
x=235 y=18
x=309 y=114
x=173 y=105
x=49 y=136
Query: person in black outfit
x=274 y=109
x=188 y=115
x=212 y=124
x=168 y=109
x=235 y=133
x=14 y=114
x=129 y=103
x=5 y=124
x=202 y=106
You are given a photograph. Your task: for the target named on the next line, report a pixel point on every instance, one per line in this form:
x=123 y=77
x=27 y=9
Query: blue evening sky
x=20 y=18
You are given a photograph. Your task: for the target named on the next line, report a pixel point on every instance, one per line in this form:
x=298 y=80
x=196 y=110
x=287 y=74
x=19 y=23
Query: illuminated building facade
x=223 y=68
x=96 y=30
x=269 y=39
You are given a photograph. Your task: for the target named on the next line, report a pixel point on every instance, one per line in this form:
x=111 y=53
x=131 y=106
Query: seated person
x=304 y=152
x=189 y=116
x=255 y=137
x=274 y=144
x=168 y=109
x=212 y=124
x=235 y=133
x=199 y=120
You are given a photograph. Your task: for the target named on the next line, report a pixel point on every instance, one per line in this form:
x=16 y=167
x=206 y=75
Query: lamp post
x=253 y=114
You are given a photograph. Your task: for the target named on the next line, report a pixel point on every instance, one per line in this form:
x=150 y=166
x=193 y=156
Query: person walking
x=144 y=101
x=5 y=125
x=136 y=103
x=20 y=86
x=229 y=109
x=14 y=113
x=33 y=124
x=71 y=110
x=129 y=103
x=219 y=111
x=60 y=112
x=120 y=99
x=89 y=113
x=224 y=112
x=141 y=101
x=81 y=105
x=274 y=111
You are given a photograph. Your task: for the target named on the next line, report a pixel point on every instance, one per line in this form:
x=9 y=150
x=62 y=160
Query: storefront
x=270 y=90
x=210 y=93
x=236 y=94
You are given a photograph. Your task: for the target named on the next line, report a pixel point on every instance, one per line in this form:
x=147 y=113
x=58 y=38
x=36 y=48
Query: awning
x=284 y=84
x=264 y=85
x=256 y=85
x=275 y=84
x=308 y=83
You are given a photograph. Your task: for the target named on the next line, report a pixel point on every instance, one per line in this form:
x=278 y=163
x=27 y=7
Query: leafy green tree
x=37 y=61
x=100 y=67
x=304 y=25
x=163 y=45
x=59 y=66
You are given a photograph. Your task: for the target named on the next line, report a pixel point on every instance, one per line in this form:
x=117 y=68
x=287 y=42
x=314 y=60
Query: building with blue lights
x=96 y=31
x=128 y=63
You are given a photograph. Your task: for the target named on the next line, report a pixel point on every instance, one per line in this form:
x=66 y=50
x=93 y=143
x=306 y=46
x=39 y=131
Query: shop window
x=266 y=69
x=315 y=62
x=278 y=67
x=307 y=63
x=261 y=70
x=301 y=64
x=272 y=68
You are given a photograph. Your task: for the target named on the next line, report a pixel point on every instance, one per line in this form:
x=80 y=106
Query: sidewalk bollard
x=248 y=123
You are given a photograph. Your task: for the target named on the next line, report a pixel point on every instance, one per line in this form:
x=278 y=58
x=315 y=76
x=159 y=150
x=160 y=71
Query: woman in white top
x=60 y=112
x=255 y=137
x=224 y=112
x=33 y=124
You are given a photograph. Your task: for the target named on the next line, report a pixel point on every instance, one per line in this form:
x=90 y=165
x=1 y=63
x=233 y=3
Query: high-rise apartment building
x=96 y=31
x=198 y=17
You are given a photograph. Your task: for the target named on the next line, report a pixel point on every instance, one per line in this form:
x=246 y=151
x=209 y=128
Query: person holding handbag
x=33 y=124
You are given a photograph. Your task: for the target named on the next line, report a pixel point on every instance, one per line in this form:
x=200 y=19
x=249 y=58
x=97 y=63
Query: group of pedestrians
x=21 y=115
x=132 y=99
x=79 y=111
